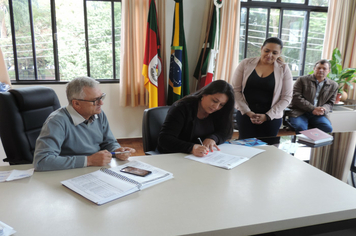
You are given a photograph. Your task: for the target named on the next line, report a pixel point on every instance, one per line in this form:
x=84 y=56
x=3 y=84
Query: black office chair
x=285 y=120
x=152 y=121
x=236 y=125
x=353 y=170
x=22 y=114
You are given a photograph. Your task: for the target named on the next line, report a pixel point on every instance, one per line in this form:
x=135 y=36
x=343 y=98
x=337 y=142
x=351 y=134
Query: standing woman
x=205 y=115
x=263 y=89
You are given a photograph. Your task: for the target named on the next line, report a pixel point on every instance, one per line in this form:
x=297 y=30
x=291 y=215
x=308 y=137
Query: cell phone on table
x=135 y=171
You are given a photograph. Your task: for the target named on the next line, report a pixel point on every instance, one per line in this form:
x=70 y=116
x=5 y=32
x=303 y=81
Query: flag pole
x=205 y=46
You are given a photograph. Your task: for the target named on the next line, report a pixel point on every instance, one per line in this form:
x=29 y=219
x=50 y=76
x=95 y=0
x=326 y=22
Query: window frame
x=57 y=80
x=281 y=6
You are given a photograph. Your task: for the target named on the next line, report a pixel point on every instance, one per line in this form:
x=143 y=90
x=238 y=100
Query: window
x=58 y=40
x=299 y=23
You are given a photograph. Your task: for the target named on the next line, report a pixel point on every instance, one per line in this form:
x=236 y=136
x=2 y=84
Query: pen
x=113 y=153
x=200 y=141
x=202 y=144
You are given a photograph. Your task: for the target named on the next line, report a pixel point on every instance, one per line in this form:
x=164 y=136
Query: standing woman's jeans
x=268 y=128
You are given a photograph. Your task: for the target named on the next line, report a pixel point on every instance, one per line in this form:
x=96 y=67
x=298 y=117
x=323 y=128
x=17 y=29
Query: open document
x=108 y=184
x=228 y=157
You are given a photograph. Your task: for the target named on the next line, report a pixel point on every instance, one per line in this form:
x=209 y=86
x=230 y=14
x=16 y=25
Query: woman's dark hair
x=276 y=41
x=273 y=40
x=225 y=114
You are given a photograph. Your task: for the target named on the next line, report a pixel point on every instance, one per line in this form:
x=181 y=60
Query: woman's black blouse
x=259 y=92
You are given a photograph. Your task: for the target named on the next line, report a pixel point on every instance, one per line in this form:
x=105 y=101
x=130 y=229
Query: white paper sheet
x=229 y=156
x=6 y=229
x=15 y=174
x=220 y=159
x=239 y=150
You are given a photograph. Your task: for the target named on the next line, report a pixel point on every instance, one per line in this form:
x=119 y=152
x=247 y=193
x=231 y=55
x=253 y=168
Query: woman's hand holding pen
x=204 y=148
x=199 y=150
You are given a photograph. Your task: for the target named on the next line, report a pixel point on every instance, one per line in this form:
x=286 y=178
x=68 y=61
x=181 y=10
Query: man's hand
x=319 y=111
x=124 y=156
x=101 y=158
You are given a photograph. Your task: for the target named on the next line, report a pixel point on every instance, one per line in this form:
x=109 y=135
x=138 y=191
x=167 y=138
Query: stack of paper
x=314 y=136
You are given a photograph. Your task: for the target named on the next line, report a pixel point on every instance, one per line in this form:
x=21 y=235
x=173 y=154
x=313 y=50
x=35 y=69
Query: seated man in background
x=313 y=98
x=78 y=135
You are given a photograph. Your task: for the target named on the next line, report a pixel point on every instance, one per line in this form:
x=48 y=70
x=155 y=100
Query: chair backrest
x=353 y=170
x=22 y=114
x=285 y=120
x=236 y=124
x=152 y=121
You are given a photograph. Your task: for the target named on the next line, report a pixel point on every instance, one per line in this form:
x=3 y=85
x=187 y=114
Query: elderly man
x=313 y=98
x=78 y=135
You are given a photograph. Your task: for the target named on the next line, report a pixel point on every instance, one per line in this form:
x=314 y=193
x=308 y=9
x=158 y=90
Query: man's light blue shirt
x=66 y=139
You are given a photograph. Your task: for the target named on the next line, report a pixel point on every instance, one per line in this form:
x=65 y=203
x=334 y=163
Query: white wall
x=125 y=122
x=343 y=119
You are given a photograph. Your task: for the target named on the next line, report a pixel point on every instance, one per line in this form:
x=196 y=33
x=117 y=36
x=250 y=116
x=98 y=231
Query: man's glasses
x=96 y=101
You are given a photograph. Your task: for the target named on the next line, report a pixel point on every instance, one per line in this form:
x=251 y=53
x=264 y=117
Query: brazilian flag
x=178 y=72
